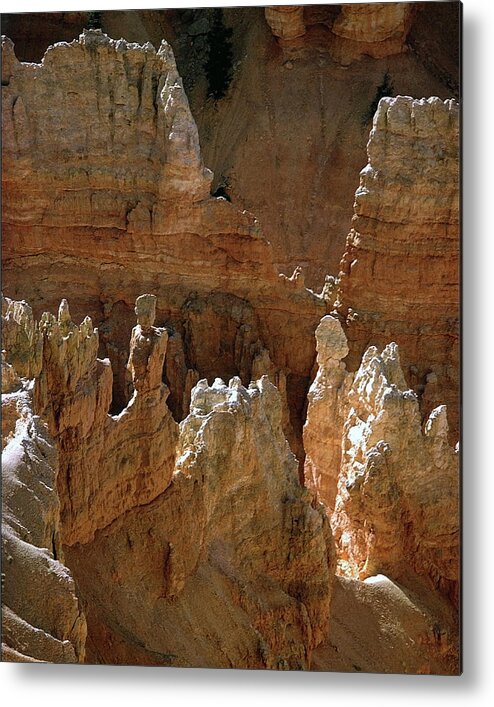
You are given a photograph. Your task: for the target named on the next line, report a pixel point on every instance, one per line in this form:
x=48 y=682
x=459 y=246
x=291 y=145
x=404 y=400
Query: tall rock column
x=108 y=464
x=399 y=278
x=326 y=412
x=397 y=504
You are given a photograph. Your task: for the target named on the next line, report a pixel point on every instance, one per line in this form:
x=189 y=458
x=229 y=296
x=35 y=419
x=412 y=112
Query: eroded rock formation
x=393 y=483
x=128 y=210
x=42 y=619
x=145 y=531
x=108 y=464
x=375 y=29
x=398 y=488
x=286 y=21
x=390 y=484
x=327 y=407
x=400 y=271
x=193 y=535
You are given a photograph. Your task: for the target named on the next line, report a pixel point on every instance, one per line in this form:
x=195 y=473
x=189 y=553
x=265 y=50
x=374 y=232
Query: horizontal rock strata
x=100 y=136
x=399 y=277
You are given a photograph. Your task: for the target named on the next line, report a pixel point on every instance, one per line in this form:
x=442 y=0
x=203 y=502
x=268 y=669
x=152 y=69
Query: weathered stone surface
x=41 y=616
x=380 y=626
x=397 y=504
x=374 y=29
x=286 y=21
x=198 y=577
x=326 y=412
x=399 y=277
x=214 y=555
x=22 y=342
x=119 y=205
x=108 y=464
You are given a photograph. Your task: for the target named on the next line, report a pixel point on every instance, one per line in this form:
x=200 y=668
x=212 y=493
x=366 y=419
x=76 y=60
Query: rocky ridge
x=132 y=489
x=128 y=210
x=406 y=222
x=166 y=524
x=204 y=526
x=42 y=617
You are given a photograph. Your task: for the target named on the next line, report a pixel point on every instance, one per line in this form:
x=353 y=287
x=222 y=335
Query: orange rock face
x=42 y=617
x=286 y=21
x=400 y=270
x=374 y=29
x=108 y=464
x=305 y=515
x=122 y=206
x=157 y=524
x=390 y=485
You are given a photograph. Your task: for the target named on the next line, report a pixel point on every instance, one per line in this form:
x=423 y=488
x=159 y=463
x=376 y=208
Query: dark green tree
x=384 y=89
x=94 y=20
x=219 y=64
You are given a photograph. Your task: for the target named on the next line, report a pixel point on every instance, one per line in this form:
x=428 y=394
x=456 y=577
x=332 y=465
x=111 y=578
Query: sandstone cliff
x=195 y=516
x=289 y=138
x=368 y=29
x=128 y=210
x=42 y=619
x=197 y=576
x=399 y=277
x=393 y=484
x=156 y=527
x=390 y=485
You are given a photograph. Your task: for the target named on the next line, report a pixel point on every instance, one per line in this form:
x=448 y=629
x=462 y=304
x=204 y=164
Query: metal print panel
x=230 y=341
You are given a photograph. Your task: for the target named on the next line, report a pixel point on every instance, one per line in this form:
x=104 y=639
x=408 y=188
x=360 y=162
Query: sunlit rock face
x=400 y=271
x=326 y=410
x=398 y=489
x=42 y=617
x=153 y=520
x=184 y=520
x=389 y=483
x=120 y=205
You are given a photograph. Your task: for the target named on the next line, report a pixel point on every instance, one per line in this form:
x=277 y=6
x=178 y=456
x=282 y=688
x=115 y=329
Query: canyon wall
x=197 y=545
x=42 y=618
x=399 y=276
x=184 y=520
x=368 y=29
x=158 y=523
x=128 y=210
x=288 y=140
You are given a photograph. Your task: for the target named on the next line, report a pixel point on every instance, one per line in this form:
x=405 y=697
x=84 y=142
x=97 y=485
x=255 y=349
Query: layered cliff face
x=389 y=484
x=399 y=277
x=188 y=521
x=42 y=619
x=156 y=525
x=128 y=209
x=372 y=29
x=368 y=29
x=288 y=140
